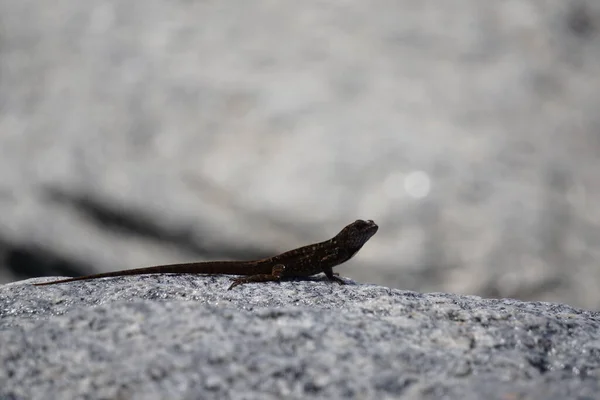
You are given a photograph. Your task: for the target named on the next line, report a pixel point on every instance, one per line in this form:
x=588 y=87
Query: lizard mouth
x=372 y=228
x=367 y=226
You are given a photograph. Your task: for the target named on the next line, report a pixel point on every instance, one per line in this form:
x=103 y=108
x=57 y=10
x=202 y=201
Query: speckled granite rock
x=186 y=337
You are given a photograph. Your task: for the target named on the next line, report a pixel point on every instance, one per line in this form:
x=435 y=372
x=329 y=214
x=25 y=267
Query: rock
x=168 y=336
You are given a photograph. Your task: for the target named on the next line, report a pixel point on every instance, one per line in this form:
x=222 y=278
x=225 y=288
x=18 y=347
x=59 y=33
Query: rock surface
x=185 y=337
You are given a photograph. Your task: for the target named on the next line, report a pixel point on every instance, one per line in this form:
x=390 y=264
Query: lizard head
x=355 y=235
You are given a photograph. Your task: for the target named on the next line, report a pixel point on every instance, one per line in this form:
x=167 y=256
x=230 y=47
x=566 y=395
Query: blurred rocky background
x=141 y=132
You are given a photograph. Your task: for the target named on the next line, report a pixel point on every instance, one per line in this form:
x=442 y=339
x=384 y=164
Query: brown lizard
x=301 y=262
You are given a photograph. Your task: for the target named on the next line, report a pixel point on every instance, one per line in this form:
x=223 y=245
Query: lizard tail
x=210 y=267
x=139 y=271
x=161 y=269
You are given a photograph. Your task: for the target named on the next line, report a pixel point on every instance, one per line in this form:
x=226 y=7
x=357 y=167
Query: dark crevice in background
x=141 y=224
x=29 y=261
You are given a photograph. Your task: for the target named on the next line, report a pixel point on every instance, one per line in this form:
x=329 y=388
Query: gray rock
x=156 y=337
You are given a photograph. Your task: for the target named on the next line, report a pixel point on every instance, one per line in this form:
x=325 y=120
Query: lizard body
x=301 y=262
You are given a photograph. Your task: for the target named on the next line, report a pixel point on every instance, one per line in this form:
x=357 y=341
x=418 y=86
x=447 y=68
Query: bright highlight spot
x=417 y=184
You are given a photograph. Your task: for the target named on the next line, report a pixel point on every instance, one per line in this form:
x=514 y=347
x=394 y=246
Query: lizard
x=301 y=262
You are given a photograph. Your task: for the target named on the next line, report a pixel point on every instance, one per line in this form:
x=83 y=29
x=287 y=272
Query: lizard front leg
x=275 y=276
x=335 y=257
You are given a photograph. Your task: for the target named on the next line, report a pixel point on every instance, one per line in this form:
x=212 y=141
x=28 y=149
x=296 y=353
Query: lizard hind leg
x=275 y=276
